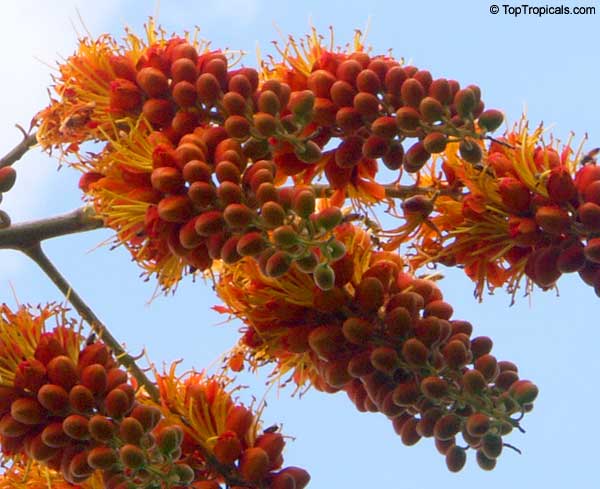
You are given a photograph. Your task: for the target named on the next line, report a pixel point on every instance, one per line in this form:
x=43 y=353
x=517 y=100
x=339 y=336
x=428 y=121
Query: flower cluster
x=197 y=150
x=244 y=174
x=67 y=406
x=184 y=207
x=370 y=107
x=528 y=209
x=388 y=340
x=97 y=90
x=220 y=428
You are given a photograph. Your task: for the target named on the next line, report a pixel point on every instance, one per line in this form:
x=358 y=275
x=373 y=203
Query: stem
x=18 y=151
x=27 y=234
x=393 y=191
x=35 y=252
x=405 y=191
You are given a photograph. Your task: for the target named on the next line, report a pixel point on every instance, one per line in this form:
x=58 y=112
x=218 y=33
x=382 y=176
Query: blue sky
x=546 y=65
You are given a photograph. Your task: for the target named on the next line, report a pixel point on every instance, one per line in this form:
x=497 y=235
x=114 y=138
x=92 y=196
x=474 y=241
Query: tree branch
x=23 y=235
x=18 y=151
x=36 y=253
x=26 y=237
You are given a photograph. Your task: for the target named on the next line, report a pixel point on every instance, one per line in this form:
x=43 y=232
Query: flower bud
x=132 y=456
x=152 y=81
x=456 y=458
x=102 y=458
x=254 y=464
x=412 y=92
x=435 y=142
x=470 y=151
x=465 y=102
x=310 y=152
x=416 y=157
x=431 y=109
x=8 y=176
x=417 y=205
x=301 y=105
x=490 y=120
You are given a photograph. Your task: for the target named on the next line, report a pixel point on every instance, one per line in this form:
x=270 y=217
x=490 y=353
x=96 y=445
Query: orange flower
x=281 y=311
x=24 y=336
x=122 y=194
x=485 y=218
x=204 y=402
x=299 y=58
x=218 y=426
x=98 y=90
x=69 y=406
x=381 y=335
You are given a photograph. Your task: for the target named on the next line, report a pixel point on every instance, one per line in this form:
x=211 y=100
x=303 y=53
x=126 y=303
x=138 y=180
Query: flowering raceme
x=169 y=211
x=387 y=339
x=196 y=174
x=527 y=210
x=370 y=106
x=220 y=427
x=68 y=407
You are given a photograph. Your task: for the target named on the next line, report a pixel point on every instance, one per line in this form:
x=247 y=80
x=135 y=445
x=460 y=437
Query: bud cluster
x=388 y=340
x=370 y=105
x=223 y=141
x=528 y=210
x=201 y=201
x=67 y=406
x=567 y=236
x=76 y=412
x=373 y=105
x=221 y=431
x=405 y=357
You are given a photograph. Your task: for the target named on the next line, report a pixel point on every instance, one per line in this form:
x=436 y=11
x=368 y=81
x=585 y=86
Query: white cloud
x=34 y=35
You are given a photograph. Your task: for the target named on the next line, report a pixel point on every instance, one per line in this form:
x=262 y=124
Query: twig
x=18 y=151
x=23 y=235
x=500 y=142
x=36 y=253
x=405 y=191
x=512 y=447
x=392 y=191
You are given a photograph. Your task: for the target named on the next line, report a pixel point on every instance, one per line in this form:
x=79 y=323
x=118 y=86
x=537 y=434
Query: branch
x=27 y=234
x=18 y=151
x=394 y=191
x=26 y=237
x=36 y=253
